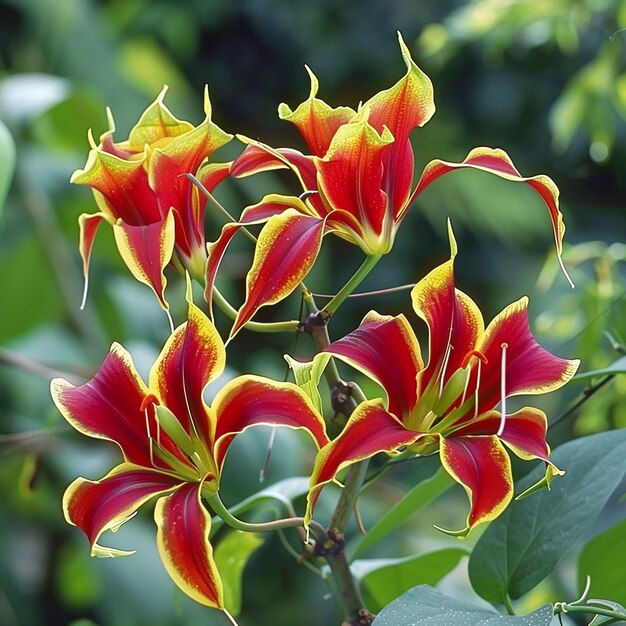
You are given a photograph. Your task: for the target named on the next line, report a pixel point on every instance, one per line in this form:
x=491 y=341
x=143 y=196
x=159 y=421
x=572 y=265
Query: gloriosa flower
x=174 y=445
x=357 y=183
x=140 y=189
x=449 y=405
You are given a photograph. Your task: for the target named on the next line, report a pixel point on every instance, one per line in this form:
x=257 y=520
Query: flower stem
x=288 y=326
x=220 y=509
x=563 y=607
x=351 y=285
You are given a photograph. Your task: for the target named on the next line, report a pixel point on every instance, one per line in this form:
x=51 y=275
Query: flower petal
x=109 y=406
x=401 y=108
x=182 y=155
x=285 y=252
x=120 y=187
x=270 y=205
x=385 y=349
x=88 y=225
x=350 y=178
x=369 y=430
x=156 y=123
x=250 y=400
x=96 y=506
x=482 y=466
x=454 y=321
x=530 y=369
x=147 y=250
x=498 y=162
x=524 y=432
x=316 y=121
x=183 y=542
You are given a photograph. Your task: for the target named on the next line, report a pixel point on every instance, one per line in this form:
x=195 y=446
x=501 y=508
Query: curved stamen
x=478 y=372
x=446 y=358
x=504 y=346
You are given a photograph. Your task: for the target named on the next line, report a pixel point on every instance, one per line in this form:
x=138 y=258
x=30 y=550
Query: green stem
x=562 y=607
x=350 y=286
x=507 y=604
x=288 y=326
x=349 y=494
x=220 y=509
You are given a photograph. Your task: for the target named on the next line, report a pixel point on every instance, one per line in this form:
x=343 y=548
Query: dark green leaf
x=386 y=579
x=604 y=560
x=523 y=545
x=425 y=606
x=421 y=495
x=7 y=163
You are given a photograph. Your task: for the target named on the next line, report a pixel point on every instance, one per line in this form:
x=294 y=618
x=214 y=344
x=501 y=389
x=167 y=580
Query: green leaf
x=617 y=367
x=7 y=163
x=231 y=556
x=425 y=606
x=284 y=491
x=521 y=547
x=419 y=496
x=384 y=580
x=602 y=559
x=308 y=376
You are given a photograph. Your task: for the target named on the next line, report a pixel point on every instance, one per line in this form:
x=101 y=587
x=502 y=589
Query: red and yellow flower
x=174 y=445
x=140 y=189
x=449 y=404
x=357 y=183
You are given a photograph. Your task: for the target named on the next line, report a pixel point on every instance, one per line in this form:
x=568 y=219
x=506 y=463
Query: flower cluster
x=357 y=182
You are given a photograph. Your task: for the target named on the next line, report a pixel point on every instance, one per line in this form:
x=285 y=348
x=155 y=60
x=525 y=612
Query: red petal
x=120 y=187
x=250 y=400
x=147 y=250
x=183 y=542
x=482 y=466
x=105 y=504
x=529 y=368
x=350 y=179
x=498 y=162
x=370 y=430
x=401 y=108
x=524 y=432
x=193 y=356
x=109 y=406
x=316 y=121
x=454 y=321
x=88 y=225
x=385 y=349
x=286 y=250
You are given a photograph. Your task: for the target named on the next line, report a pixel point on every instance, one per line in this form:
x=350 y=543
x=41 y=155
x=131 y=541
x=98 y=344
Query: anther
x=504 y=347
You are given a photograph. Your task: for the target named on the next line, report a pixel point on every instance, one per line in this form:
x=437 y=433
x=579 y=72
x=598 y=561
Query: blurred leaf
x=76 y=580
x=425 y=606
x=64 y=125
x=231 y=556
x=520 y=548
x=418 y=497
x=24 y=97
x=618 y=367
x=602 y=559
x=29 y=296
x=7 y=163
x=387 y=579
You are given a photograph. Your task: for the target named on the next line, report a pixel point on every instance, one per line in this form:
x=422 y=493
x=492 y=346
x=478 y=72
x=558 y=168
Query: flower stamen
x=504 y=346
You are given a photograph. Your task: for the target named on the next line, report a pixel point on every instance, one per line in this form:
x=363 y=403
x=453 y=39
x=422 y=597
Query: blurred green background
x=543 y=79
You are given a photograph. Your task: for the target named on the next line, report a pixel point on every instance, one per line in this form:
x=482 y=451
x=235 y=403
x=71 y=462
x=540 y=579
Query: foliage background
x=543 y=79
